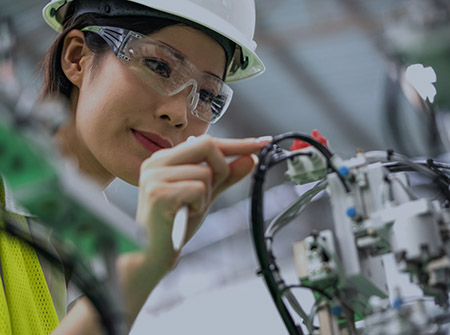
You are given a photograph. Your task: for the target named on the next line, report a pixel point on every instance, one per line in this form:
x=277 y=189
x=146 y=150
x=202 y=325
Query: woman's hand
x=193 y=173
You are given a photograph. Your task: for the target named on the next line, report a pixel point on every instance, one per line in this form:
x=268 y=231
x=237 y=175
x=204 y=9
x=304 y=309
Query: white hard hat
x=233 y=19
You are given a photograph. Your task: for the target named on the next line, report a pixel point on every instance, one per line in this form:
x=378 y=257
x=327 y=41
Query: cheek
x=93 y=110
x=109 y=93
x=100 y=106
x=196 y=127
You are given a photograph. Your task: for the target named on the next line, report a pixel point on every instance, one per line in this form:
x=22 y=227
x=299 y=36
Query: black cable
x=266 y=265
x=441 y=165
x=435 y=168
x=319 y=146
x=271 y=155
x=395 y=166
x=440 y=178
x=306 y=138
x=285 y=155
x=82 y=277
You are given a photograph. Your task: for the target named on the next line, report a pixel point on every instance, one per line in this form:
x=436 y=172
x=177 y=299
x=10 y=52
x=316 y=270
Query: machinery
x=382 y=202
x=376 y=210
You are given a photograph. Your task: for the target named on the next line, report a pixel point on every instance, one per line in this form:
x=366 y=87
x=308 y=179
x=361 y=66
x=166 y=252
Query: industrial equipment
x=376 y=211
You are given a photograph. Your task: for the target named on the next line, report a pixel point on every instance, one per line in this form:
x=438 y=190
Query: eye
x=207 y=96
x=159 y=67
x=218 y=104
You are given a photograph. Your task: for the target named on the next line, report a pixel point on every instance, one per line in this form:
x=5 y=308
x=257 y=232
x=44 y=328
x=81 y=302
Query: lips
x=150 y=141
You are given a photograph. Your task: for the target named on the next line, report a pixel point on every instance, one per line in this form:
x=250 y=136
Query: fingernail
x=264 y=139
x=255 y=158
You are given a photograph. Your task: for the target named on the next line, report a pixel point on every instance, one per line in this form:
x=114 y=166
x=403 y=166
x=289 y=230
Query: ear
x=74 y=57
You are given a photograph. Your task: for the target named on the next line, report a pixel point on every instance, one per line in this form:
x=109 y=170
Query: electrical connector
x=309 y=167
x=314 y=259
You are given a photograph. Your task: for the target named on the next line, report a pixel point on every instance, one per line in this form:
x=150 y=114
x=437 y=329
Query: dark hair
x=55 y=81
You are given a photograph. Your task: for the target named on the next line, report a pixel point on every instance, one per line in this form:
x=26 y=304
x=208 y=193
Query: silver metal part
x=415 y=233
x=413 y=318
x=364 y=274
x=378 y=214
x=314 y=258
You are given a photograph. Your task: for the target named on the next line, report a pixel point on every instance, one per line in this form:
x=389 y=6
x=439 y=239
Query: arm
x=82 y=319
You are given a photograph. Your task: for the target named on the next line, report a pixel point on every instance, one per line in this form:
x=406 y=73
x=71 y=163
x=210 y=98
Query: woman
x=142 y=77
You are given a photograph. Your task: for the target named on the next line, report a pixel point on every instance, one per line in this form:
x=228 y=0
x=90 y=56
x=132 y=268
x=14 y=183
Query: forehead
x=201 y=50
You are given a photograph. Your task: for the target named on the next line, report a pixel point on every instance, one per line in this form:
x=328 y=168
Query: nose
x=173 y=110
x=178 y=103
x=192 y=98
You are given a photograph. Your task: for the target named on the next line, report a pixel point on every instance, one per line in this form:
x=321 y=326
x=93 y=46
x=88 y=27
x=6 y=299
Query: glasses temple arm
x=114 y=36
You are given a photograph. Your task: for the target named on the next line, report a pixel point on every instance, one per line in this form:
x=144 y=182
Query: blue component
x=398 y=303
x=351 y=212
x=336 y=310
x=343 y=171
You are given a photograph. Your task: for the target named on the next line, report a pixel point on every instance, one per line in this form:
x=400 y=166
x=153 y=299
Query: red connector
x=299 y=144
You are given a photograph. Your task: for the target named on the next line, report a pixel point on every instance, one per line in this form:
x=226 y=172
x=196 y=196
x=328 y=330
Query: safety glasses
x=168 y=72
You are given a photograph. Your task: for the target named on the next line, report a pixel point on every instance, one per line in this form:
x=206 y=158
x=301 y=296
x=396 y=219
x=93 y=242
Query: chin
x=130 y=179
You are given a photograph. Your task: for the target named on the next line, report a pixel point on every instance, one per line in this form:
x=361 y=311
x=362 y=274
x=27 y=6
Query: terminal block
x=311 y=165
x=314 y=259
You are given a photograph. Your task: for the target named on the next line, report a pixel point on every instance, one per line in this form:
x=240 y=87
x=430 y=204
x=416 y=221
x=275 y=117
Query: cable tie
x=389 y=153
x=272 y=268
x=261 y=272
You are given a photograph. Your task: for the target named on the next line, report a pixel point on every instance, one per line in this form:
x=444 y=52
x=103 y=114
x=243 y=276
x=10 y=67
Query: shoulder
x=8 y=201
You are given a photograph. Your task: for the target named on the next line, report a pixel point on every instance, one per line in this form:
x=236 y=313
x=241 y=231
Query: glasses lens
x=153 y=64
x=165 y=70
x=214 y=99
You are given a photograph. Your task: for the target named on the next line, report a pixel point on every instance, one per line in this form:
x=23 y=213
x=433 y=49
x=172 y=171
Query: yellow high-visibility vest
x=26 y=306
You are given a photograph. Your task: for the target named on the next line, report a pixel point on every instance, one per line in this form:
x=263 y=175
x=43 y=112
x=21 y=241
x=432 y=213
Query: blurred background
x=366 y=74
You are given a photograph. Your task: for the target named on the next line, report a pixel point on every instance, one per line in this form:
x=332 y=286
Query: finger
x=193 y=193
x=177 y=173
x=194 y=152
x=234 y=147
x=239 y=168
x=166 y=198
x=197 y=150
